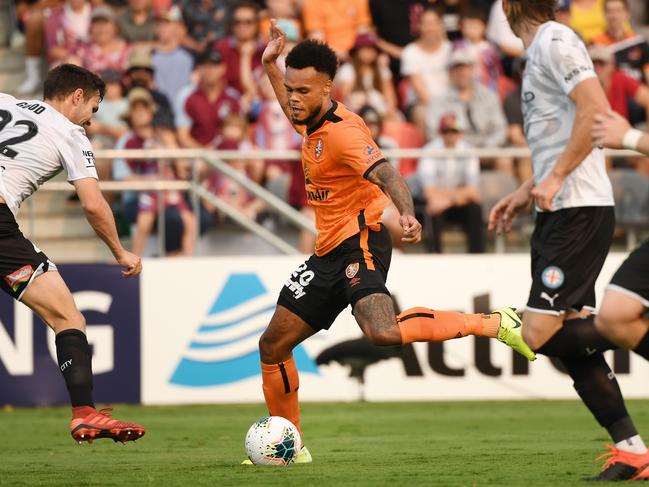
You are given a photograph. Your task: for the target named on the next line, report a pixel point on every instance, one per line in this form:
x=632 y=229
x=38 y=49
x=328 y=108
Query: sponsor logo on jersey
x=317 y=194
x=22 y=275
x=351 y=270
x=552 y=277
x=90 y=158
x=225 y=349
x=370 y=150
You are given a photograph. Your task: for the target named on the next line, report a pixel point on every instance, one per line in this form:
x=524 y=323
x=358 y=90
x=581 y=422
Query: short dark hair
x=311 y=53
x=64 y=79
x=245 y=4
x=624 y=2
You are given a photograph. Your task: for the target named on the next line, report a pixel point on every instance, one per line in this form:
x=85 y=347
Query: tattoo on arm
x=392 y=184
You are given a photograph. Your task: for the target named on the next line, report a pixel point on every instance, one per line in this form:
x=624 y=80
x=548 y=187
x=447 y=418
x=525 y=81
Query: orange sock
x=280 y=384
x=427 y=325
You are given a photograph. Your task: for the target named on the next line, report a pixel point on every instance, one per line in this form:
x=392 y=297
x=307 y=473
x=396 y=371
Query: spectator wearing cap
x=205 y=20
x=424 y=65
x=139 y=73
x=141 y=208
x=137 y=23
x=631 y=50
x=105 y=48
x=107 y=124
x=487 y=68
x=337 y=22
x=620 y=88
x=242 y=49
x=450 y=188
x=366 y=78
x=201 y=109
x=478 y=108
x=172 y=64
x=587 y=18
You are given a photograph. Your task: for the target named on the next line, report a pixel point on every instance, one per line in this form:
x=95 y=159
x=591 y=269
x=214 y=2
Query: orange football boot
x=99 y=424
x=622 y=465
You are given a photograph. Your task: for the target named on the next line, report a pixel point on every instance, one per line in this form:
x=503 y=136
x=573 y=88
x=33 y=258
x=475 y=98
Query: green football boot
x=510 y=333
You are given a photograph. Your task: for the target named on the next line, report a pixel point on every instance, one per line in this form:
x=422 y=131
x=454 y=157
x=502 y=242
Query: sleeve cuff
x=371 y=168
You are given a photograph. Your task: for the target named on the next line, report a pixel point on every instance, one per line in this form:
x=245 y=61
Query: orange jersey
x=337 y=154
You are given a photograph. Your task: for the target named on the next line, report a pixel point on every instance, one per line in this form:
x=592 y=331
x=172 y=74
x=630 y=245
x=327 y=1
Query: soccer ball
x=273 y=441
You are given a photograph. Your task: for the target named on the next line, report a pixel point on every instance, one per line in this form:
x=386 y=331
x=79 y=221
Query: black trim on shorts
x=377 y=163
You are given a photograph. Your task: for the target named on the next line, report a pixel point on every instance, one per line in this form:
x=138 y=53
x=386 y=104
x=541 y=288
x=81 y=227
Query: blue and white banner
x=202 y=318
x=29 y=374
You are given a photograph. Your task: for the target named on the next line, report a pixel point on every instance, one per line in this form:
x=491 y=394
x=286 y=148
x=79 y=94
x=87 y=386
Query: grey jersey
x=36 y=143
x=557 y=61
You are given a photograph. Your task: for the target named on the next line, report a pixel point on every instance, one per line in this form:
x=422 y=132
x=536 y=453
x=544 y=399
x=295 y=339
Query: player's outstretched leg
x=426 y=325
x=280 y=379
x=49 y=298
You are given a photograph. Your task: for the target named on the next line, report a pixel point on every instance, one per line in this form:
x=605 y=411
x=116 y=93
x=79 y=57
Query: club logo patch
x=318 y=149
x=351 y=270
x=22 y=275
x=552 y=277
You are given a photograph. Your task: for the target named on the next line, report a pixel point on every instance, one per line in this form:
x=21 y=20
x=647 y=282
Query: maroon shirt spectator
x=66 y=28
x=201 y=110
x=243 y=49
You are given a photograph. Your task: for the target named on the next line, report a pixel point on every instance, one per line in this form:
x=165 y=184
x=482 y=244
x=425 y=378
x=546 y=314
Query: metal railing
x=217 y=160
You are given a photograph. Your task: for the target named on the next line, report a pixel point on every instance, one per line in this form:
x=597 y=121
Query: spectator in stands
x=450 y=186
x=424 y=65
x=139 y=73
x=66 y=28
x=451 y=12
x=286 y=12
x=172 y=64
x=562 y=13
x=105 y=48
x=514 y=116
x=337 y=22
x=205 y=20
x=136 y=23
x=366 y=79
x=587 y=18
x=397 y=25
x=108 y=124
x=630 y=49
x=620 y=88
x=32 y=16
x=142 y=208
x=478 y=109
x=234 y=136
x=242 y=50
x=487 y=67
x=201 y=109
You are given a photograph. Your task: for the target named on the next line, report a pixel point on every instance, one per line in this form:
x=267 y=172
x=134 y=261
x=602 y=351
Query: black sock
x=576 y=338
x=643 y=347
x=75 y=362
x=598 y=388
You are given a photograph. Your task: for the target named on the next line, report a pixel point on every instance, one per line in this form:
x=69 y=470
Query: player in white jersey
x=39 y=139
x=575 y=221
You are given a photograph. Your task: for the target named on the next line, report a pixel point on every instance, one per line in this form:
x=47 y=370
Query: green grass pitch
x=522 y=443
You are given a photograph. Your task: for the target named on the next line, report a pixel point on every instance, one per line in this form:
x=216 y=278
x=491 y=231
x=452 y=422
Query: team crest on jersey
x=351 y=270
x=22 y=275
x=552 y=277
x=318 y=149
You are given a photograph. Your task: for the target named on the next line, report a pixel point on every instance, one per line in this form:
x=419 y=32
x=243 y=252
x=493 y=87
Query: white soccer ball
x=273 y=441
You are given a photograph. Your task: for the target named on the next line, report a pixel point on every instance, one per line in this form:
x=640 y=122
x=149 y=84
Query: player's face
x=307 y=90
x=83 y=109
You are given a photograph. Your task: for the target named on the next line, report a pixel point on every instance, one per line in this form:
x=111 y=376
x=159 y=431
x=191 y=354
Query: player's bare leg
x=49 y=297
x=620 y=319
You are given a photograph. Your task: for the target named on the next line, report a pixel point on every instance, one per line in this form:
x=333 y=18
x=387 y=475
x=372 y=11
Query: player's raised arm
x=274 y=48
x=613 y=130
x=100 y=217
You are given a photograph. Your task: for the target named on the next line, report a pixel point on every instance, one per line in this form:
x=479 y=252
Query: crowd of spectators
x=433 y=73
